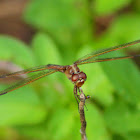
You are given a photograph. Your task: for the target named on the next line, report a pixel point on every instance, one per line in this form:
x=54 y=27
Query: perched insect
x=72 y=72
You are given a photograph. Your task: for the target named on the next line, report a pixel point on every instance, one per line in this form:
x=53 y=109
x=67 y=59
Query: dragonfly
x=72 y=72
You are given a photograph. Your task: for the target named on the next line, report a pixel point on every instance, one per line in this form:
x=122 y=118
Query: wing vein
x=27 y=81
x=94 y=55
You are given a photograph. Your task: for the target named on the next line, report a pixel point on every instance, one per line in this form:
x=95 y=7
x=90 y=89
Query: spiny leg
x=80 y=90
x=75 y=94
x=86 y=97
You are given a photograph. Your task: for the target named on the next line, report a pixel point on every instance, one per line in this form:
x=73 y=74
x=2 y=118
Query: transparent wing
x=108 y=59
x=28 y=81
x=95 y=56
x=34 y=69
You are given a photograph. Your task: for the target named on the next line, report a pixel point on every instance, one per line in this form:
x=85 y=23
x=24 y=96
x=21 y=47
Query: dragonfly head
x=79 y=78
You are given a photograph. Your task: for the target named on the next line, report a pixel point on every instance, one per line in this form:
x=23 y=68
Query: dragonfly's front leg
x=80 y=90
x=75 y=94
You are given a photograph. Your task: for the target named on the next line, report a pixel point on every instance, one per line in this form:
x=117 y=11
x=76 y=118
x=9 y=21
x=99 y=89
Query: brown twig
x=82 y=98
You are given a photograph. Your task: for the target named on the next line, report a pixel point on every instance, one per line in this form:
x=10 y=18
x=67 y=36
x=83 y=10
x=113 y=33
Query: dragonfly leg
x=75 y=94
x=86 y=97
x=80 y=90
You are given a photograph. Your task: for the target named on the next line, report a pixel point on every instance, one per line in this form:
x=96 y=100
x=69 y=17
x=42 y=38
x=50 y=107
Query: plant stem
x=82 y=115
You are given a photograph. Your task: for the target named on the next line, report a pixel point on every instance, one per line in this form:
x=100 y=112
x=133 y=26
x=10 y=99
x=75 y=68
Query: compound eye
x=75 y=77
x=82 y=75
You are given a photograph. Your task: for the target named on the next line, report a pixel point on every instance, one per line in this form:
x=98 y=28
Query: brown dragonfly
x=72 y=72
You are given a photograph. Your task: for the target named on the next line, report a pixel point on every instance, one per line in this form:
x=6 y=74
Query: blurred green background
x=40 y=32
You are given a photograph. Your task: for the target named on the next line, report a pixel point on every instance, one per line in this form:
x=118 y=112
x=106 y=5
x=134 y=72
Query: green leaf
x=122 y=30
x=21 y=107
x=104 y=7
x=15 y=51
x=33 y=131
x=67 y=21
x=121 y=118
x=134 y=135
x=125 y=77
x=14 y=115
x=61 y=124
x=22 y=101
x=45 y=50
x=96 y=127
